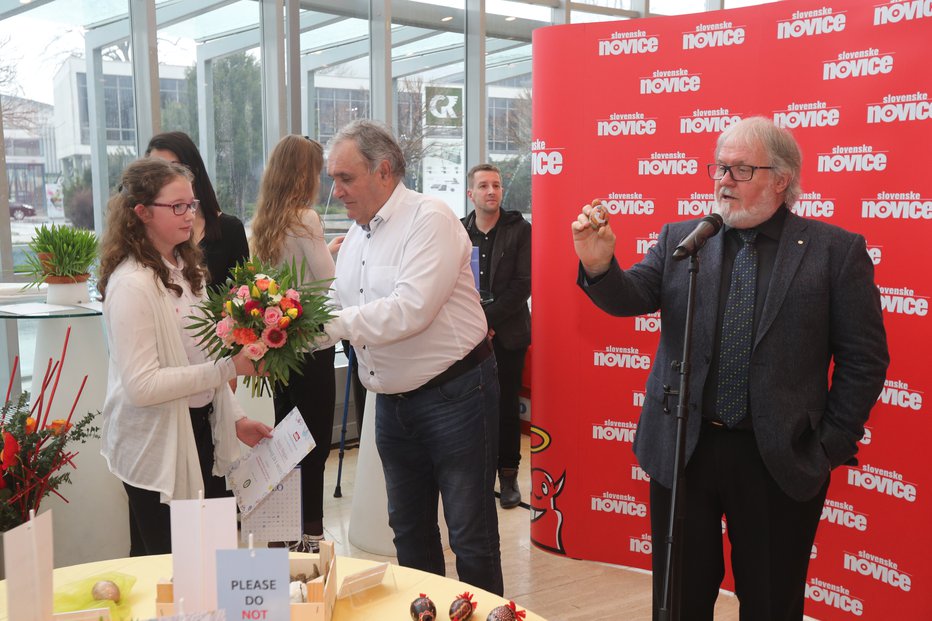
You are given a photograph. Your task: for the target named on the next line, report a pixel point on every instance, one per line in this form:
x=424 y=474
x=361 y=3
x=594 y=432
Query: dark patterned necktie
x=737 y=327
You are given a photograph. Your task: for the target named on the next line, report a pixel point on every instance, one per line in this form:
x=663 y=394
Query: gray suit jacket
x=822 y=308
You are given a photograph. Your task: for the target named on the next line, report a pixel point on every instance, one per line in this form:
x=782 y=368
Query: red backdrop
x=628 y=112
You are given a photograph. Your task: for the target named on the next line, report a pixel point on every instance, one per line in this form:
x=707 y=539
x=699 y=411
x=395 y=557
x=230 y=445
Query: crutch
x=338 y=492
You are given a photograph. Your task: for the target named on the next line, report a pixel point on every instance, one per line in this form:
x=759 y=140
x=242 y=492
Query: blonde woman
x=286 y=228
x=169 y=417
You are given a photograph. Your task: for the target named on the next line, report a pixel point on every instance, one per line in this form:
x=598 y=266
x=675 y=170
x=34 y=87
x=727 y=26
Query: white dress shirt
x=408 y=300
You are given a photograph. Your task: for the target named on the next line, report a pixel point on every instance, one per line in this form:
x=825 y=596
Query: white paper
x=257 y=473
x=94 y=306
x=253 y=584
x=27 y=551
x=199 y=529
x=33 y=308
x=278 y=516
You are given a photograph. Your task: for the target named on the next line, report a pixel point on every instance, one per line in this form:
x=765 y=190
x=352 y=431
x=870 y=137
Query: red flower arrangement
x=263 y=311
x=35 y=454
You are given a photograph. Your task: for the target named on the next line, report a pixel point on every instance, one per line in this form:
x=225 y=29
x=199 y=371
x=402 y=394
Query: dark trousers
x=149 y=518
x=314 y=394
x=771 y=534
x=442 y=441
x=510 y=369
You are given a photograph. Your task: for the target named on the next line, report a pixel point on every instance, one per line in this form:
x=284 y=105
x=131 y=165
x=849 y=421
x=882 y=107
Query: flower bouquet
x=263 y=311
x=36 y=454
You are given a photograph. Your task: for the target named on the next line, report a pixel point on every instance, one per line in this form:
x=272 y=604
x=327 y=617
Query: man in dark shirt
x=504 y=242
x=779 y=300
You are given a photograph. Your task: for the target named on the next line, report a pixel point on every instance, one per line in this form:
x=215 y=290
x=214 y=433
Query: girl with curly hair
x=169 y=417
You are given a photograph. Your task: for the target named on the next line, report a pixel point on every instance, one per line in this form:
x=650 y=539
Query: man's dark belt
x=467 y=363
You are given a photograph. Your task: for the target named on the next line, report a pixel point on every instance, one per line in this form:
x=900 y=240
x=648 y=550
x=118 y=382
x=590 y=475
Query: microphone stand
x=670 y=603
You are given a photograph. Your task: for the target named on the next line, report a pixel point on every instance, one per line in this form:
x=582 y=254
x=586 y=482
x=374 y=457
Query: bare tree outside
x=16 y=112
x=516 y=170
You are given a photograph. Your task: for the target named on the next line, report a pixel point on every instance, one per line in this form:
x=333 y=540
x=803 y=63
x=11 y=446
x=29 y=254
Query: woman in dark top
x=221 y=236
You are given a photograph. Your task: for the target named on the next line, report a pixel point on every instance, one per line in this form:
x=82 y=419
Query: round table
x=390 y=600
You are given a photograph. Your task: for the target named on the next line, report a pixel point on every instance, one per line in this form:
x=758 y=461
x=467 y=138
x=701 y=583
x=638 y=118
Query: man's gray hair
x=376 y=143
x=784 y=152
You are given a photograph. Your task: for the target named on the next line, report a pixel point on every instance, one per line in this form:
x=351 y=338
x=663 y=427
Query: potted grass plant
x=61 y=255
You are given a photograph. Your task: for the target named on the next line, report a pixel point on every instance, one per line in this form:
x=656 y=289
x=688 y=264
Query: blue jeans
x=444 y=441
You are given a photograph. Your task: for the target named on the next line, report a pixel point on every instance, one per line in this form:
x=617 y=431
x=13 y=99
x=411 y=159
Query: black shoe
x=508 y=484
x=308 y=544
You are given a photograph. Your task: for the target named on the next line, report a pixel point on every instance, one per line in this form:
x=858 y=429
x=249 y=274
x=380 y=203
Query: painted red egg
x=422 y=609
x=462 y=607
x=502 y=613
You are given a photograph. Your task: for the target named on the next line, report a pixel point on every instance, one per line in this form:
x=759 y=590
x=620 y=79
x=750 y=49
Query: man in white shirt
x=407 y=301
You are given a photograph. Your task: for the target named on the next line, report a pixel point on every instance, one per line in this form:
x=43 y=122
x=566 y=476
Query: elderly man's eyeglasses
x=180 y=208
x=741 y=172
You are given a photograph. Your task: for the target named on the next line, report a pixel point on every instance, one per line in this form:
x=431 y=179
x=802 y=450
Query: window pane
x=508 y=77
x=226 y=41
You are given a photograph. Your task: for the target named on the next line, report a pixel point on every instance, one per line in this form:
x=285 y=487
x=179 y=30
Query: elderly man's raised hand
x=593 y=239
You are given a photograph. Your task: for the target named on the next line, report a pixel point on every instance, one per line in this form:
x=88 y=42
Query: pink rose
x=243 y=292
x=255 y=350
x=272 y=315
x=292 y=294
x=224 y=327
x=274 y=337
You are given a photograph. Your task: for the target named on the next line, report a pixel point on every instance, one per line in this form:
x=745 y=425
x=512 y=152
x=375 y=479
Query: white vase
x=67 y=293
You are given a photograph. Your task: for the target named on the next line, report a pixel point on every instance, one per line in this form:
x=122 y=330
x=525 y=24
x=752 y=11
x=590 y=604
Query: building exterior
x=31 y=163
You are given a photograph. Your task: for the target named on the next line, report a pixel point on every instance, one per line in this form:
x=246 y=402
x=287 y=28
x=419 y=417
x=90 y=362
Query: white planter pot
x=67 y=293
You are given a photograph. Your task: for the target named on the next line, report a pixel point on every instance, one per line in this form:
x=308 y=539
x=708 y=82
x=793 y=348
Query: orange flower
x=263 y=284
x=59 y=426
x=285 y=304
x=244 y=336
x=284 y=322
x=30 y=425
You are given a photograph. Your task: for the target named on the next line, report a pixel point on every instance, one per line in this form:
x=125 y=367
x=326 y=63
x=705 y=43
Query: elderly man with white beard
x=780 y=300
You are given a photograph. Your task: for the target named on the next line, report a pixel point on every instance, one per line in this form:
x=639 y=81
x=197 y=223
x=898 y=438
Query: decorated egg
x=598 y=217
x=506 y=613
x=106 y=590
x=462 y=607
x=422 y=609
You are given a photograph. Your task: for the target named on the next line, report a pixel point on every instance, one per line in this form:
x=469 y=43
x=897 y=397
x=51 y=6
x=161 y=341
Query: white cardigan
x=147 y=437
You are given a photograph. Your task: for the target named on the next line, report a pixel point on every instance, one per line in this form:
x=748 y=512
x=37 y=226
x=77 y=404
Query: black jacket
x=510 y=279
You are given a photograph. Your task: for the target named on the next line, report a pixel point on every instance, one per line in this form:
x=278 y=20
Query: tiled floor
x=554 y=587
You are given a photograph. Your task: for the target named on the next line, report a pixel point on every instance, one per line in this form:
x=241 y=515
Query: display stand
x=368 y=527
x=93 y=490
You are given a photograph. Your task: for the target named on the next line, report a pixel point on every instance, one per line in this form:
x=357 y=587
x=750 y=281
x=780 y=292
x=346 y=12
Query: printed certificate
x=257 y=473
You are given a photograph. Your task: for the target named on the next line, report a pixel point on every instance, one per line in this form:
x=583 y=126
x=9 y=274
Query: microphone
x=692 y=243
